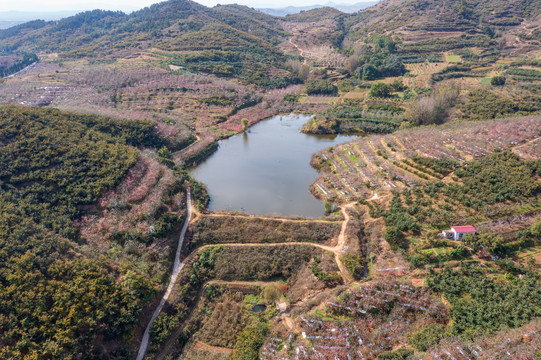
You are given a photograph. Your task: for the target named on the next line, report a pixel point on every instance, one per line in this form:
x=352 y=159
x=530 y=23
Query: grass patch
x=486 y=80
x=439 y=251
x=453 y=58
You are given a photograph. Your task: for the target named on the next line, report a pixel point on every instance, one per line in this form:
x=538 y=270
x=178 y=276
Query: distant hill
x=289 y=10
x=4 y=24
x=13 y=18
x=172 y=26
x=418 y=21
x=316 y=15
x=163 y=24
x=247 y=43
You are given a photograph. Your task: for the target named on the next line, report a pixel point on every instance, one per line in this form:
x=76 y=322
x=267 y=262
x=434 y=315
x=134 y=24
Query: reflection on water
x=266 y=170
x=259 y=308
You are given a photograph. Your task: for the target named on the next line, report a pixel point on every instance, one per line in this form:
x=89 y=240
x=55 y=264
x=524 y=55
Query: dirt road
x=176 y=270
x=336 y=250
x=301 y=51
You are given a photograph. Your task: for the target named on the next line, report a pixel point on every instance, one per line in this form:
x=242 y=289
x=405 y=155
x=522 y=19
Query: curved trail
x=336 y=250
x=299 y=49
x=339 y=248
x=176 y=270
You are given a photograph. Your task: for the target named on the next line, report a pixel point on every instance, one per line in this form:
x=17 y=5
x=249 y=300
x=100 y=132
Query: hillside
x=59 y=299
x=418 y=21
x=160 y=22
x=177 y=26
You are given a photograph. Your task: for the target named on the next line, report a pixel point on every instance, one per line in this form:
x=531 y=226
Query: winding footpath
x=176 y=270
x=299 y=49
x=337 y=250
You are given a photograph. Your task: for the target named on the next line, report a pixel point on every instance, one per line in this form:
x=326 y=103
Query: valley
x=192 y=182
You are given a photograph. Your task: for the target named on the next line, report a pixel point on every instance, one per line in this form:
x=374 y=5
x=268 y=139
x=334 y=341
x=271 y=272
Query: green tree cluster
x=249 y=343
x=426 y=336
x=479 y=304
x=56 y=303
x=489 y=242
x=378 y=59
x=321 y=87
x=497 y=81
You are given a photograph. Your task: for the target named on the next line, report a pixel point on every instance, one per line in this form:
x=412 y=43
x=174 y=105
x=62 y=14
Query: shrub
x=532 y=232
x=293 y=98
x=354 y=264
x=497 y=81
x=400 y=354
x=381 y=90
x=345 y=85
x=432 y=109
x=395 y=238
x=426 y=336
x=483 y=104
x=271 y=293
x=489 y=242
x=249 y=343
x=162 y=328
x=368 y=72
x=329 y=279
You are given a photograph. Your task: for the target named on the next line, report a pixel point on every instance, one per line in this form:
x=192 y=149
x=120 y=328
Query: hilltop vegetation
x=173 y=26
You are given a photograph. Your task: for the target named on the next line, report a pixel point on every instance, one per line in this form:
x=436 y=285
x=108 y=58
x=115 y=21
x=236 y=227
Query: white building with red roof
x=459 y=232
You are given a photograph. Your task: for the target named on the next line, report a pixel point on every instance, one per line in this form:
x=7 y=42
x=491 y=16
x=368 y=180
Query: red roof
x=463 y=229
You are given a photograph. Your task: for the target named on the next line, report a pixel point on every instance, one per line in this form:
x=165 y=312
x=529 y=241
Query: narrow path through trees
x=301 y=51
x=176 y=270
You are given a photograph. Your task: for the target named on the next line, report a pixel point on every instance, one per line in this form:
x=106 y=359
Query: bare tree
x=432 y=109
x=300 y=69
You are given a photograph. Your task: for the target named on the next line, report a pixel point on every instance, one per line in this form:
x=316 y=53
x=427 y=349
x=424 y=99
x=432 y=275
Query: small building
x=459 y=232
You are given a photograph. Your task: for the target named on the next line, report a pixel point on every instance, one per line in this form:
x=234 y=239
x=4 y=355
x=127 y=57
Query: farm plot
x=33 y=93
x=422 y=73
x=530 y=150
x=179 y=103
x=410 y=158
x=532 y=254
x=321 y=99
x=230 y=229
x=324 y=56
x=133 y=214
x=360 y=324
x=424 y=68
x=453 y=58
x=521 y=343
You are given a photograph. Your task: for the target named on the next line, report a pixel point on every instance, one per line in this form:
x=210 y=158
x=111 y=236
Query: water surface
x=267 y=169
x=259 y=308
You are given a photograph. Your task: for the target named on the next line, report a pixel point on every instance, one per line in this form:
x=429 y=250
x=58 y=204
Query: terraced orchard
x=360 y=324
x=407 y=158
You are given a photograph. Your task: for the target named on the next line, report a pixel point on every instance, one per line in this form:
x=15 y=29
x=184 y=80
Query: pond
x=259 y=308
x=266 y=170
